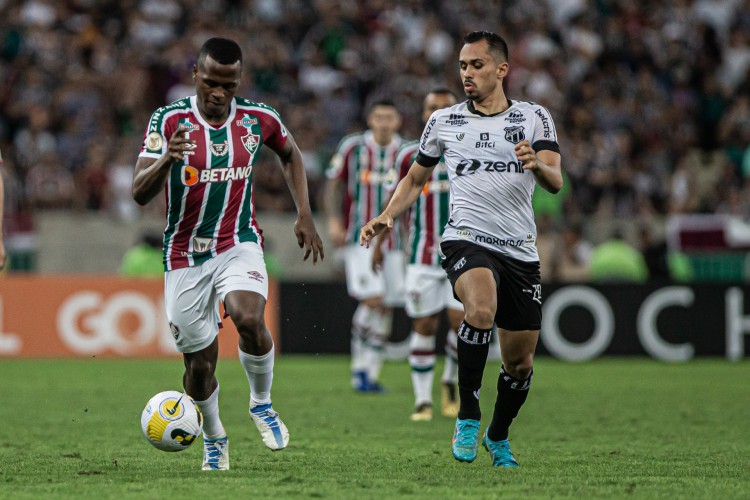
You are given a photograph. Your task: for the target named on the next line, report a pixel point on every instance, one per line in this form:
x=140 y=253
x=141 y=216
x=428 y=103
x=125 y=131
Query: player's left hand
x=526 y=154
x=307 y=237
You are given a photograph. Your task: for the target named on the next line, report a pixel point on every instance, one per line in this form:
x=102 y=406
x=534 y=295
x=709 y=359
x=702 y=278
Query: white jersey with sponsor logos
x=490 y=191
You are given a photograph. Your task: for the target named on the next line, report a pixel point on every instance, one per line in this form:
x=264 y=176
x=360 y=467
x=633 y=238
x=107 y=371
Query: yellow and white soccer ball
x=171 y=421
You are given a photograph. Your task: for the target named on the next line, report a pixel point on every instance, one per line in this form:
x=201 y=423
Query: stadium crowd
x=651 y=99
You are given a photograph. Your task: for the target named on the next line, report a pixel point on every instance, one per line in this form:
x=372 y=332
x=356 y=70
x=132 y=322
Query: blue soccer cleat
x=465 y=440
x=273 y=431
x=500 y=452
x=216 y=454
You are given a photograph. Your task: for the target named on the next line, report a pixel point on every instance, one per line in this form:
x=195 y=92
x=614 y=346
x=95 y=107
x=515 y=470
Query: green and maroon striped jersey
x=210 y=193
x=366 y=169
x=429 y=215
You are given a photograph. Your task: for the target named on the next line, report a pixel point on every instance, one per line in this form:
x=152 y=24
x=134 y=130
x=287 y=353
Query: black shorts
x=519 y=292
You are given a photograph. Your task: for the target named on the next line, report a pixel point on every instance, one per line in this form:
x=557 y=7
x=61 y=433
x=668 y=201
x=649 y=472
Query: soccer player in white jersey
x=496 y=151
x=202 y=149
x=358 y=177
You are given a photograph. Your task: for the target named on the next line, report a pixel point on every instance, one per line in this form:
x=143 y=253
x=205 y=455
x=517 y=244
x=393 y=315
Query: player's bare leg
x=256 y=355
x=477 y=290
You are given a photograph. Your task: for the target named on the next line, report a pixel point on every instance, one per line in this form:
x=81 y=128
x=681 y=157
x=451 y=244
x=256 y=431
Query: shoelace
x=269 y=417
x=464 y=438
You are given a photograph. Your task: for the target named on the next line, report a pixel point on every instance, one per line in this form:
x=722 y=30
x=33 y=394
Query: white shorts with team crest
x=428 y=291
x=192 y=294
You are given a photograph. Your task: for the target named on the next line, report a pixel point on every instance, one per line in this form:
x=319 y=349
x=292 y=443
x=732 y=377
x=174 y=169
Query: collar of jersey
x=472 y=109
x=208 y=126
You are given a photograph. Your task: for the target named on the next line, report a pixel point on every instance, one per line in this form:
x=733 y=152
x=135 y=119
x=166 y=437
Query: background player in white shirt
x=496 y=151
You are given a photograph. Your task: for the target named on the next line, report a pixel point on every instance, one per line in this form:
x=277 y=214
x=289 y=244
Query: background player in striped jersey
x=358 y=176
x=203 y=148
x=496 y=151
x=428 y=290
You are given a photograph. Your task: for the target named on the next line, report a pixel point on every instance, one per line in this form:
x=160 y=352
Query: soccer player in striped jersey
x=361 y=170
x=496 y=151
x=428 y=291
x=202 y=150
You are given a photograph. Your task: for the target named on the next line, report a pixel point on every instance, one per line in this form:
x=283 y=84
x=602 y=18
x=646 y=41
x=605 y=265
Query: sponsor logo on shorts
x=255 y=275
x=463 y=234
x=175 y=330
x=461 y=263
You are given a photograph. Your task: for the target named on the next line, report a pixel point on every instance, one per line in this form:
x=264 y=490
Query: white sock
x=422 y=363
x=380 y=330
x=360 y=328
x=212 y=427
x=450 y=370
x=259 y=371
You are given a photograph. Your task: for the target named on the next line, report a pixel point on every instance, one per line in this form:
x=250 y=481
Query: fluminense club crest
x=514 y=134
x=251 y=141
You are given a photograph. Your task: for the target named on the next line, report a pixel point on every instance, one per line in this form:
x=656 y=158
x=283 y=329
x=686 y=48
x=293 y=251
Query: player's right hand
x=180 y=145
x=373 y=228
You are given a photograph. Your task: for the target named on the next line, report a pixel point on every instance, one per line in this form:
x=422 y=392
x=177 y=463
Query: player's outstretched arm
x=294 y=173
x=404 y=196
x=151 y=175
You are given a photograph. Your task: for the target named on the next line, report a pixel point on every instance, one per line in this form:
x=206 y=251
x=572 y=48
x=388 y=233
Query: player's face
x=433 y=102
x=215 y=85
x=384 y=121
x=481 y=74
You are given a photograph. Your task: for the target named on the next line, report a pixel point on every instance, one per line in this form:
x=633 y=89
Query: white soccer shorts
x=361 y=282
x=394 y=268
x=192 y=294
x=428 y=291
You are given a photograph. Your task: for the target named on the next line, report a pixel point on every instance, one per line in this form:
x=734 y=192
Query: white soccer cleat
x=215 y=454
x=273 y=431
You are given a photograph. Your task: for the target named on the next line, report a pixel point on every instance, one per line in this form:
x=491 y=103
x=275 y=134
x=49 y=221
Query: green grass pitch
x=612 y=428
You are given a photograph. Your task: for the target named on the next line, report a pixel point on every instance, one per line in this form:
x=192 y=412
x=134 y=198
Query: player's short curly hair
x=497 y=44
x=221 y=50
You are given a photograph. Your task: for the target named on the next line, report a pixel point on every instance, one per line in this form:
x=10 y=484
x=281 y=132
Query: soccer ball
x=171 y=421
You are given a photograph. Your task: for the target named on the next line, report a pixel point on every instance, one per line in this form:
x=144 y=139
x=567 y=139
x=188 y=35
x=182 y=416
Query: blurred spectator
x=573 y=257
x=616 y=260
x=144 y=260
x=652 y=99
x=663 y=264
x=49 y=185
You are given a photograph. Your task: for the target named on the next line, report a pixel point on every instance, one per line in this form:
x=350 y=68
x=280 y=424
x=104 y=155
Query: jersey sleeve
x=404 y=159
x=430 y=149
x=274 y=131
x=156 y=138
x=338 y=167
x=545 y=134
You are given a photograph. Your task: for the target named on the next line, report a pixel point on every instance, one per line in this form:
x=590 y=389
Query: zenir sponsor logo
x=460 y=137
x=468 y=167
